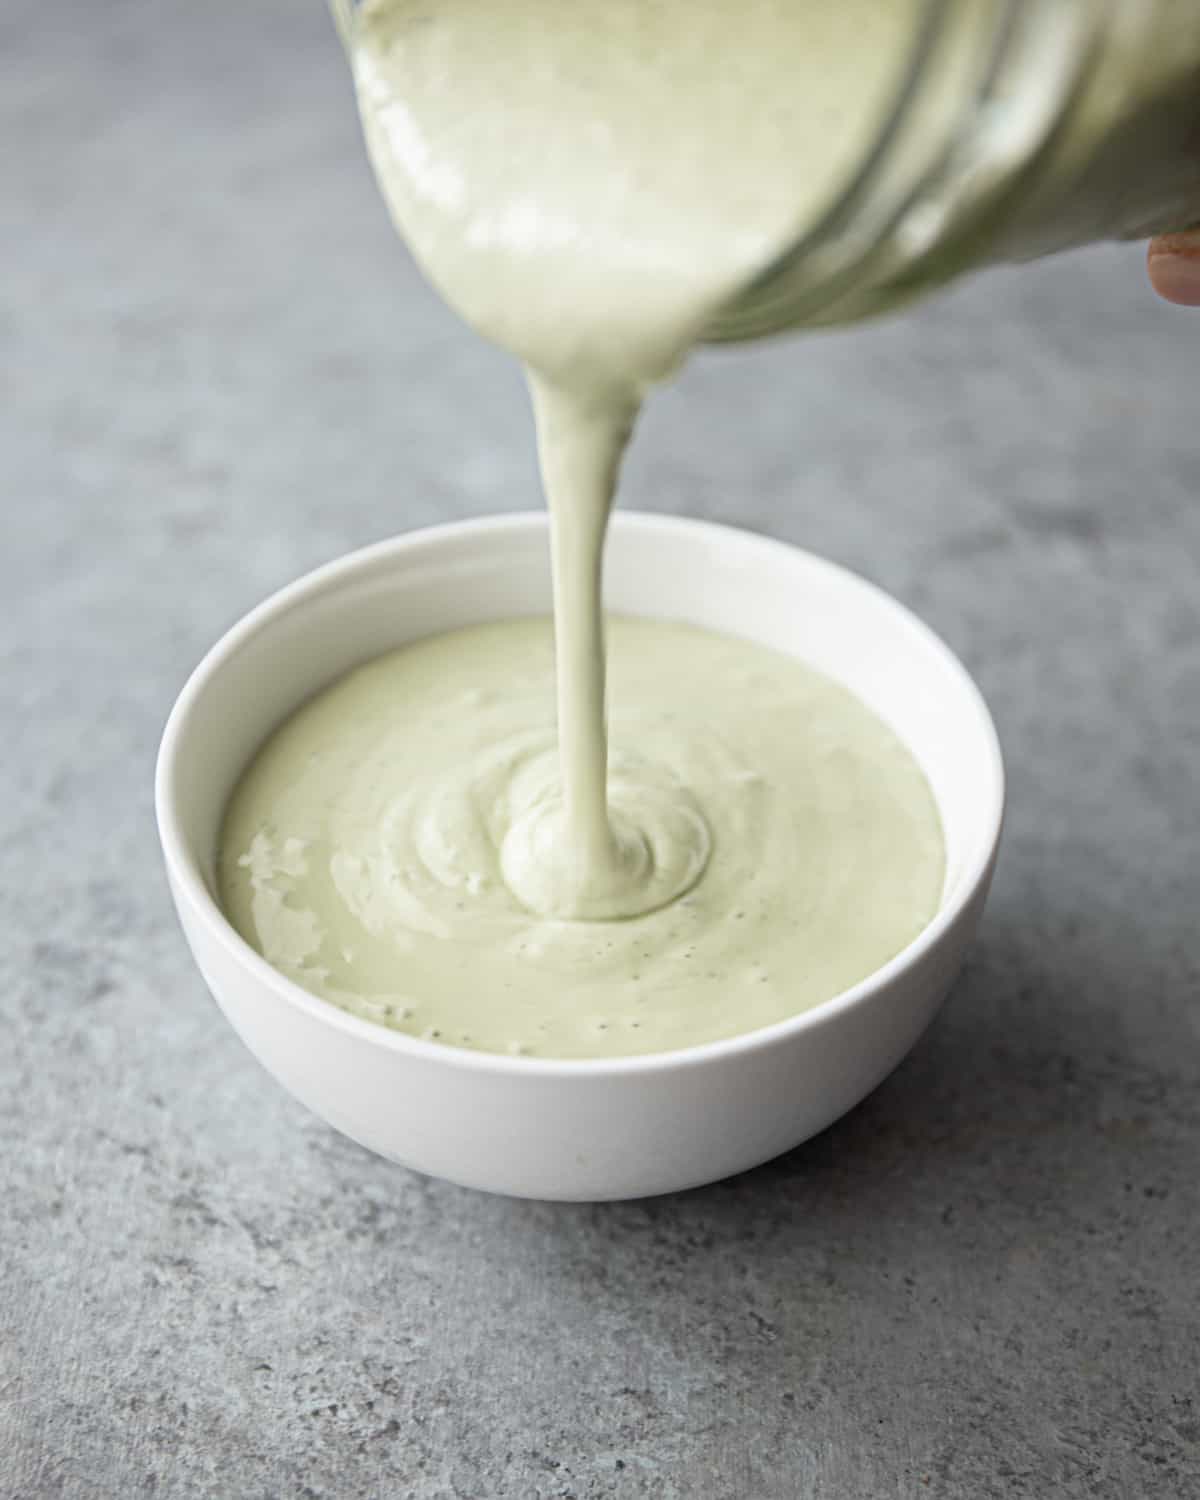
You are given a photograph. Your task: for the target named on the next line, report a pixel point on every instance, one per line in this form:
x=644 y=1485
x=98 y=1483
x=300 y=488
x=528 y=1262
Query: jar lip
x=751 y=312
x=921 y=203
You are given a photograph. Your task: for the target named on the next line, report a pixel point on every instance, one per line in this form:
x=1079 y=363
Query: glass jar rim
x=916 y=210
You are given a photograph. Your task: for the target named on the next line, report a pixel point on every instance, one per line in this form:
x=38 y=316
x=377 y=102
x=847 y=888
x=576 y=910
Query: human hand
x=1173 y=261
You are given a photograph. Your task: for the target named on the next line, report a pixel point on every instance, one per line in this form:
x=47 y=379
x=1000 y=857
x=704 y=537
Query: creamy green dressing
x=586 y=183
x=443 y=843
x=364 y=851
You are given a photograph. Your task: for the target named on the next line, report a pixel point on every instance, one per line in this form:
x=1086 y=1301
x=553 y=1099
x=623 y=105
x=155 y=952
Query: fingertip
x=1173 y=262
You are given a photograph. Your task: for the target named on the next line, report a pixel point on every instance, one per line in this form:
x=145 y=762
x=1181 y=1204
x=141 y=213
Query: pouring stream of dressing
x=586 y=188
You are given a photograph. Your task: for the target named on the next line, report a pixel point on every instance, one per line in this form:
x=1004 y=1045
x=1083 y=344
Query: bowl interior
x=712 y=576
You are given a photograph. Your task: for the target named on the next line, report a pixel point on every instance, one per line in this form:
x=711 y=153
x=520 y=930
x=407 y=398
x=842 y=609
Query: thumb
x=1174 y=264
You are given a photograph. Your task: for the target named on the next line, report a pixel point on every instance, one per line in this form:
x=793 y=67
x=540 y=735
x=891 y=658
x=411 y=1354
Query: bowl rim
x=184 y=870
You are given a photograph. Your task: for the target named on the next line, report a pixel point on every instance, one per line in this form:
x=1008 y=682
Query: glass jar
x=1021 y=127
x=1017 y=128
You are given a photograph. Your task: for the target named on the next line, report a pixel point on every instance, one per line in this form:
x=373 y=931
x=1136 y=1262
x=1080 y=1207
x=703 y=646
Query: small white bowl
x=584 y=1130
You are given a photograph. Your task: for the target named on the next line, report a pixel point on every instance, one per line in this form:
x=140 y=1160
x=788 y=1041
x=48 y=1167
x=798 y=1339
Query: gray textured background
x=220 y=369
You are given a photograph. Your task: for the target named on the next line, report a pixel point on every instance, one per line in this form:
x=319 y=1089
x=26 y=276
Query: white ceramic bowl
x=615 y=1128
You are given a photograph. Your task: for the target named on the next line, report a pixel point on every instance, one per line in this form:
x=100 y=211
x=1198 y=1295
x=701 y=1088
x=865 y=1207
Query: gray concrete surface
x=219 y=369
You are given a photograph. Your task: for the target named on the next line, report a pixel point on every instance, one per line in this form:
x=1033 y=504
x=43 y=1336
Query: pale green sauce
x=446 y=842
x=586 y=183
x=363 y=853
